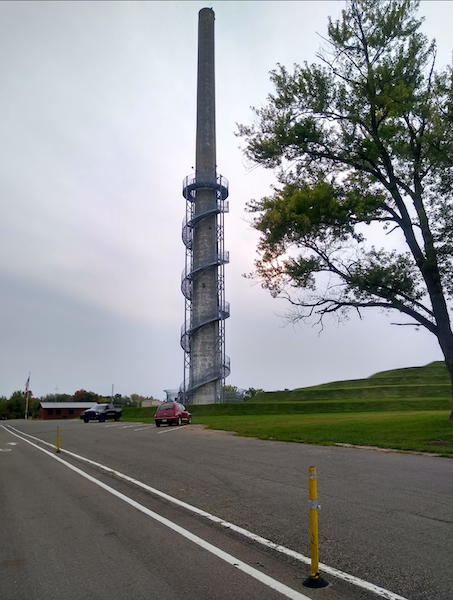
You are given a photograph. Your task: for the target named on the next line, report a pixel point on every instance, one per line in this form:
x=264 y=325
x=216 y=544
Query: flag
x=26 y=385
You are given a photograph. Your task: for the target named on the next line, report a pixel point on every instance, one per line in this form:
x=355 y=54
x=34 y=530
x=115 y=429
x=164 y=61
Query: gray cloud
x=97 y=133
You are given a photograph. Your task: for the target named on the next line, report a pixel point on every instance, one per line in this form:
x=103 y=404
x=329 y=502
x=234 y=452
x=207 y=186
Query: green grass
x=404 y=409
x=365 y=392
x=430 y=381
x=436 y=370
x=290 y=408
x=309 y=407
x=398 y=430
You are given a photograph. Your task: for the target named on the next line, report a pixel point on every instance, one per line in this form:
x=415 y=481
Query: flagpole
x=27 y=395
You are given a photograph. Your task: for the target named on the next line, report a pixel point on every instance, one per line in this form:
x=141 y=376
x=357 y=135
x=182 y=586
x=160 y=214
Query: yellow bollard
x=314 y=581
x=58 y=439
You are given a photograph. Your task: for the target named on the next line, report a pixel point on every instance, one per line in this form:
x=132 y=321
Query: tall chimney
x=203 y=332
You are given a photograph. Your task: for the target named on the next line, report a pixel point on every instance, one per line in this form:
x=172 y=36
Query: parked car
x=172 y=412
x=101 y=412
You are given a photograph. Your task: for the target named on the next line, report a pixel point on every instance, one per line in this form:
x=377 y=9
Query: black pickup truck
x=101 y=412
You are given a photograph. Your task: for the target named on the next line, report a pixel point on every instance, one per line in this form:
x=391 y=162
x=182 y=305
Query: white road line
x=143 y=428
x=170 y=429
x=371 y=587
x=225 y=556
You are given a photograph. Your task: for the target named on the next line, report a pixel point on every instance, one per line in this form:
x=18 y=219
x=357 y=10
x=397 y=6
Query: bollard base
x=57 y=451
x=315 y=582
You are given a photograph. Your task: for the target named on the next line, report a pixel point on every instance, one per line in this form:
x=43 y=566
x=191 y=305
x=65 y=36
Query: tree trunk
x=449 y=364
x=446 y=344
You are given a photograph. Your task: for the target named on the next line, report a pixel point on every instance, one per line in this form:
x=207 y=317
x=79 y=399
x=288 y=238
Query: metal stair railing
x=219 y=206
x=188 y=387
x=187 y=330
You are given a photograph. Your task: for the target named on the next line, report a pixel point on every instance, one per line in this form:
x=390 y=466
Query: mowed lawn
x=403 y=409
x=398 y=430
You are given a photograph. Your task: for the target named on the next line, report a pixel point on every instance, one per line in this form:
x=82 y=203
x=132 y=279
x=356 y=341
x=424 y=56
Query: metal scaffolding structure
x=218 y=309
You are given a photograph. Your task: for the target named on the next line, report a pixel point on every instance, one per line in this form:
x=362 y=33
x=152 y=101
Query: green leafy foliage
x=363 y=144
x=14 y=406
x=252 y=393
x=57 y=398
x=232 y=393
x=84 y=396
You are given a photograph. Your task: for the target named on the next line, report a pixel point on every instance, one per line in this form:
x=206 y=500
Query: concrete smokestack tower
x=203 y=332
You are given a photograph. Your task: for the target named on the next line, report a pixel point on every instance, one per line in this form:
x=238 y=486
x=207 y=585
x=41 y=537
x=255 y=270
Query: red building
x=62 y=410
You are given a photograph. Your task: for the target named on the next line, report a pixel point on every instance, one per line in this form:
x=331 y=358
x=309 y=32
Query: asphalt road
x=386 y=518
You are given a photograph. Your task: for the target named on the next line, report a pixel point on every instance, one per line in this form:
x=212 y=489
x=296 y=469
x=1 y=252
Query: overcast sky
x=97 y=132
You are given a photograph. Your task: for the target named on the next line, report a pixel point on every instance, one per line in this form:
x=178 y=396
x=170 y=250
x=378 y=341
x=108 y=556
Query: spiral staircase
x=221 y=309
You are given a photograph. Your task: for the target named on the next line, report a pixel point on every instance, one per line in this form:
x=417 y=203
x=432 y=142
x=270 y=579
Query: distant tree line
x=232 y=393
x=14 y=406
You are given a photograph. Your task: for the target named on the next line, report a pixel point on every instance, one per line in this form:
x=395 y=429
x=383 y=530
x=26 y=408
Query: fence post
x=314 y=581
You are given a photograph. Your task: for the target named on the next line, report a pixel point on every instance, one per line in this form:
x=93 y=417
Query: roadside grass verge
x=402 y=409
x=307 y=407
x=322 y=406
x=396 y=430
x=398 y=427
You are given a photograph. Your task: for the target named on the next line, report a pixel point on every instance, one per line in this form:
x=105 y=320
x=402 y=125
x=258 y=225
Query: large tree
x=84 y=396
x=14 y=407
x=362 y=141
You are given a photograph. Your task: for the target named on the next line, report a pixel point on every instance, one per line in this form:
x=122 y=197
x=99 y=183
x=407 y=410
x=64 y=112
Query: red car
x=172 y=412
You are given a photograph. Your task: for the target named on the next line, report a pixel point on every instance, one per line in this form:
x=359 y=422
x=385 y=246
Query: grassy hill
x=403 y=409
x=414 y=389
x=430 y=381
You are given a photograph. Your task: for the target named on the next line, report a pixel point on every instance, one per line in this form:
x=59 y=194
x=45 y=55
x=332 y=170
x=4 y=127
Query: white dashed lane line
x=170 y=429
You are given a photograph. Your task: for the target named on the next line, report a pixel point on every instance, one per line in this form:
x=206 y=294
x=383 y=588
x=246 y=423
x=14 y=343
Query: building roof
x=148 y=403
x=67 y=404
